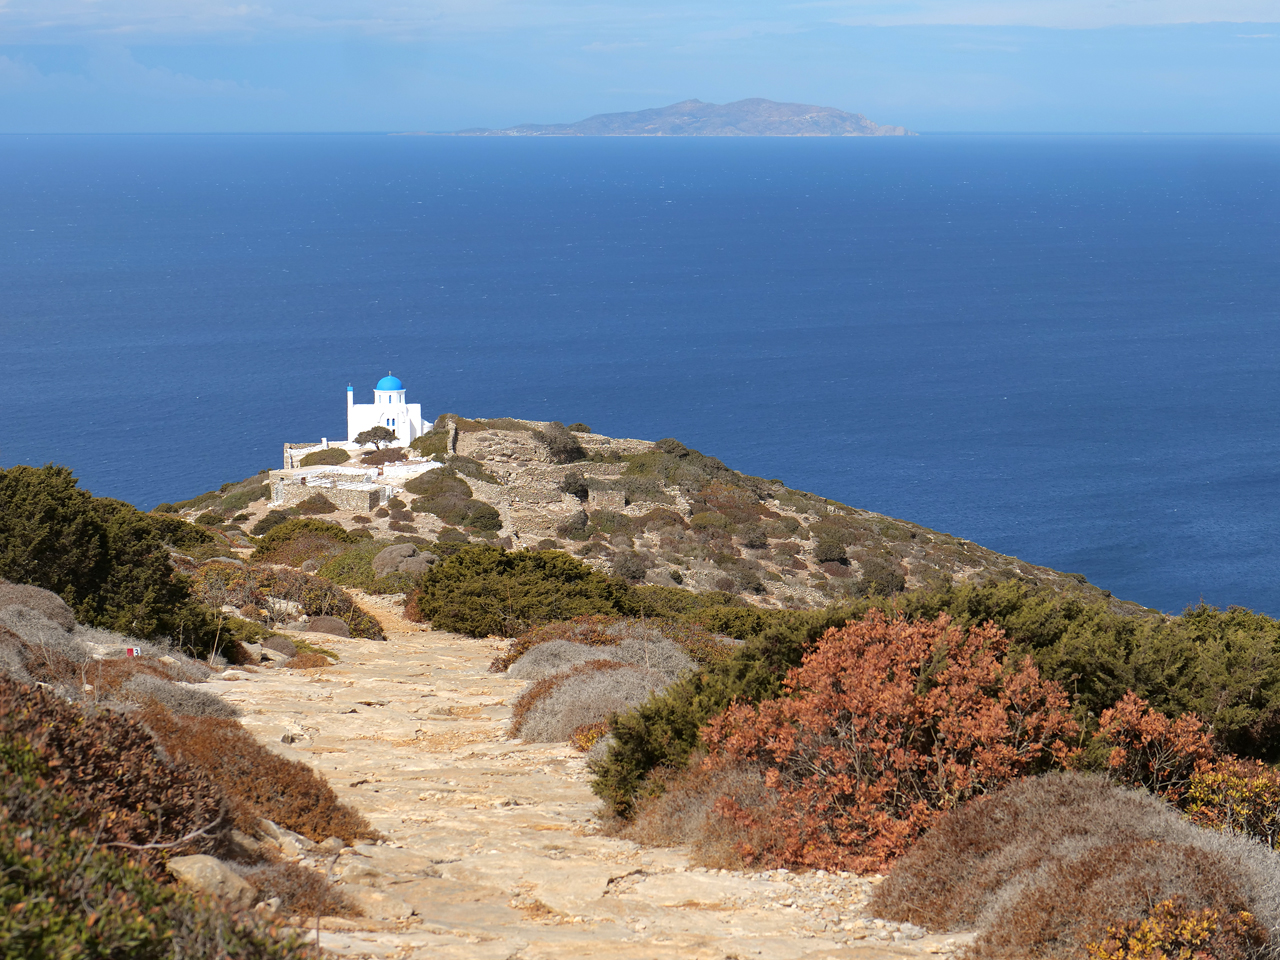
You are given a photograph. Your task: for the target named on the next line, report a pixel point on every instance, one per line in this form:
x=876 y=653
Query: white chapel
x=388 y=410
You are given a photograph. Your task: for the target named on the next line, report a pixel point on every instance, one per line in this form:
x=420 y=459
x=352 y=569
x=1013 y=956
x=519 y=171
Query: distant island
x=693 y=118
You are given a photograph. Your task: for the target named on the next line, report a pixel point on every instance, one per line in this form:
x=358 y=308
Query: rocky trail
x=492 y=848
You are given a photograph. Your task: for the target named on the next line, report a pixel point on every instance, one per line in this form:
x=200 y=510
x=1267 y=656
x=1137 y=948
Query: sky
x=126 y=66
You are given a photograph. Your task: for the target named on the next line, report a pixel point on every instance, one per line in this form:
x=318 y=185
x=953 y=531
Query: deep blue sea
x=1064 y=348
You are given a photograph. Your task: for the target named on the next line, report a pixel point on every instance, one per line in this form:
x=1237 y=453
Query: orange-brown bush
x=259 y=783
x=108 y=764
x=302 y=892
x=1174 y=931
x=587 y=735
x=886 y=724
x=1046 y=865
x=1150 y=750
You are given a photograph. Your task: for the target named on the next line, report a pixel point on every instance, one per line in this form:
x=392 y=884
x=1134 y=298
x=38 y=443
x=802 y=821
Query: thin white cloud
x=609 y=20
x=1062 y=14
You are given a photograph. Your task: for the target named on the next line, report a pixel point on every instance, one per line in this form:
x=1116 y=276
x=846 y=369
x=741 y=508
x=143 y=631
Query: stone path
x=492 y=850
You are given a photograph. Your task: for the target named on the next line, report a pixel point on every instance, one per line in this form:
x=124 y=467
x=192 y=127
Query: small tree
x=376 y=435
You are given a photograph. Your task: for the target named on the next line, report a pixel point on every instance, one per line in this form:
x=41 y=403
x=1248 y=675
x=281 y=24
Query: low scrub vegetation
x=1057 y=866
x=293 y=541
x=107 y=560
x=885 y=725
x=257 y=782
x=446 y=495
x=325 y=458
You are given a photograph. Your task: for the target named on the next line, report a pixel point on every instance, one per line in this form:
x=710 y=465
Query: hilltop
x=652 y=512
x=755 y=117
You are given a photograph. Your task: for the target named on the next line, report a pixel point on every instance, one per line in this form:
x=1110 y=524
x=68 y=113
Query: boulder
x=417 y=565
x=330 y=625
x=210 y=875
x=280 y=645
x=389 y=559
x=44 y=602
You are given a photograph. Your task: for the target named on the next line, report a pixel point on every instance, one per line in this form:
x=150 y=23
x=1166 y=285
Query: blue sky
x=931 y=65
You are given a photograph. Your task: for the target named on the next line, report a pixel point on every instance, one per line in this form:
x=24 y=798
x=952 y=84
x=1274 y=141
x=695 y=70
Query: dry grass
x=44 y=602
x=302 y=892
x=308 y=661
x=685 y=813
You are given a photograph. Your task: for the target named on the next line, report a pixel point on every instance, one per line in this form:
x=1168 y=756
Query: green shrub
x=354 y=568
x=241 y=497
x=178 y=532
x=446 y=495
x=165 y=508
x=325 y=458
x=575 y=485
x=561 y=444
x=579 y=428
x=210 y=519
x=106 y=559
x=433 y=443
x=271 y=520
x=483 y=590
x=380 y=457
x=320 y=535
x=829 y=551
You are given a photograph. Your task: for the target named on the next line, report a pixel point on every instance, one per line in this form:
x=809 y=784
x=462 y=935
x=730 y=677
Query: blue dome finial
x=389 y=383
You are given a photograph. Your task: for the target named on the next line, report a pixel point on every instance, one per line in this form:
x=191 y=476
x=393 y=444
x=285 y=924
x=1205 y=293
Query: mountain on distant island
x=693 y=118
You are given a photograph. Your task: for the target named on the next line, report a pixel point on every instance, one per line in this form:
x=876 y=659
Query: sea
x=1064 y=348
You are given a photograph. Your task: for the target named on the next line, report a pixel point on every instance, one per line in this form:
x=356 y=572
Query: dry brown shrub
x=308 y=661
x=1072 y=903
x=109 y=765
x=302 y=892
x=686 y=813
x=1045 y=866
x=546 y=686
x=261 y=784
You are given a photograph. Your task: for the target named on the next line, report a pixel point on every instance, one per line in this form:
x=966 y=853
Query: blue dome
x=389 y=383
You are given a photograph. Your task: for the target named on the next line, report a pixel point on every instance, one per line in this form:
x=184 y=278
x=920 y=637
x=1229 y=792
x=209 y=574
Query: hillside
x=653 y=512
x=755 y=117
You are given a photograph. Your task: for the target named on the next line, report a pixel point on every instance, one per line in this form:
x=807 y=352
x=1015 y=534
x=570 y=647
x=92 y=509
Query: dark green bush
x=325 y=458
x=210 y=519
x=579 y=428
x=881 y=577
x=178 y=532
x=483 y=590
x=446 y=495
x=165 y=508
x=829 y=551
x=103 y=557
x=432 y=443
x=575 y=485
x=561 y=444
x=272 y=520
x=485 y=518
